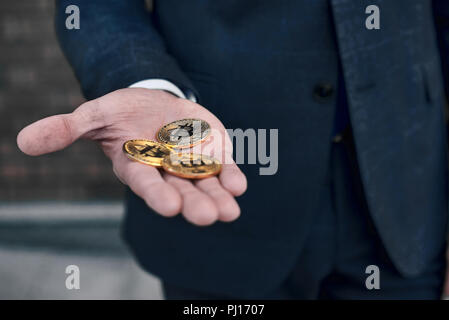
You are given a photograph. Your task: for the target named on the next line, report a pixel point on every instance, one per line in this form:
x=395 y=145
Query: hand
x=138 y=113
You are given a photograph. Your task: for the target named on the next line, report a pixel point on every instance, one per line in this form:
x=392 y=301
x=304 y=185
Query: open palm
x=138 y=113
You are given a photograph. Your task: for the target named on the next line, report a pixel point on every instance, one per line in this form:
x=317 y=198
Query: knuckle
x=217 y=191
x=91 y=111
x=187 y=191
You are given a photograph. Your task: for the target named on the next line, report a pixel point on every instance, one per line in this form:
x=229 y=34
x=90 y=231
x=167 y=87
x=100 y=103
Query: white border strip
x=57 y=211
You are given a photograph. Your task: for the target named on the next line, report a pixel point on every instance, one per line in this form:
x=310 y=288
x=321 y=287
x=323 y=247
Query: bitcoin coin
x=146 y=151
x=191 y=165
x=183 y=133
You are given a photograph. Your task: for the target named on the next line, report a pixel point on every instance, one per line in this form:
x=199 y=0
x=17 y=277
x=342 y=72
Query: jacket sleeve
x=116 y=45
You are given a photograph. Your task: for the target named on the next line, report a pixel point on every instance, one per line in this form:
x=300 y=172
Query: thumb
x=57 y=132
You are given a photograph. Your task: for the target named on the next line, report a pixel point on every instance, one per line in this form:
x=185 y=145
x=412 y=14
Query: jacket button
x=323 y=91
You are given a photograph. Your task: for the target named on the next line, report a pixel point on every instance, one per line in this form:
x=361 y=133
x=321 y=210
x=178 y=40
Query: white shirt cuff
x=161 y=84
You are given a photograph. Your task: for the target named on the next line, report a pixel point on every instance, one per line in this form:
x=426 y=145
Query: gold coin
x=183 y=133
x=146 y=151
x=191 y=165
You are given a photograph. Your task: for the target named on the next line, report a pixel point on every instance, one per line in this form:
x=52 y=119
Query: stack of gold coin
x=172 y=137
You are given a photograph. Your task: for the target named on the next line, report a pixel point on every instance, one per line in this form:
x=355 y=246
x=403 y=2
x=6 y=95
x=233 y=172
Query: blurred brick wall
x=36 y=81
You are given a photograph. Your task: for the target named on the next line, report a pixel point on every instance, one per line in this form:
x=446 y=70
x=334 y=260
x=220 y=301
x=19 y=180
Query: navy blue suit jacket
x=255 y=64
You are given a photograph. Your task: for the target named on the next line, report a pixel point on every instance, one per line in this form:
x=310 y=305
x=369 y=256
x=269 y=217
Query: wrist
x=165 y=85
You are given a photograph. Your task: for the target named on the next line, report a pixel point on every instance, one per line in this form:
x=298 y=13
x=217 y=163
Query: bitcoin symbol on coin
x=146 y=151
x=184 y=133
x=153 y=151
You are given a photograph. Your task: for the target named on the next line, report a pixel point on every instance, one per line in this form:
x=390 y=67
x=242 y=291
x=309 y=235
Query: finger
x=219 y=146
x=197 y=207
x=233 y=179
x=147 y=183
x=57 y=132
x=228 y=209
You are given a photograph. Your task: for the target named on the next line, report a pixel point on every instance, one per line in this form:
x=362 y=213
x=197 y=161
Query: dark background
x=35 y=82
x=59 y=209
